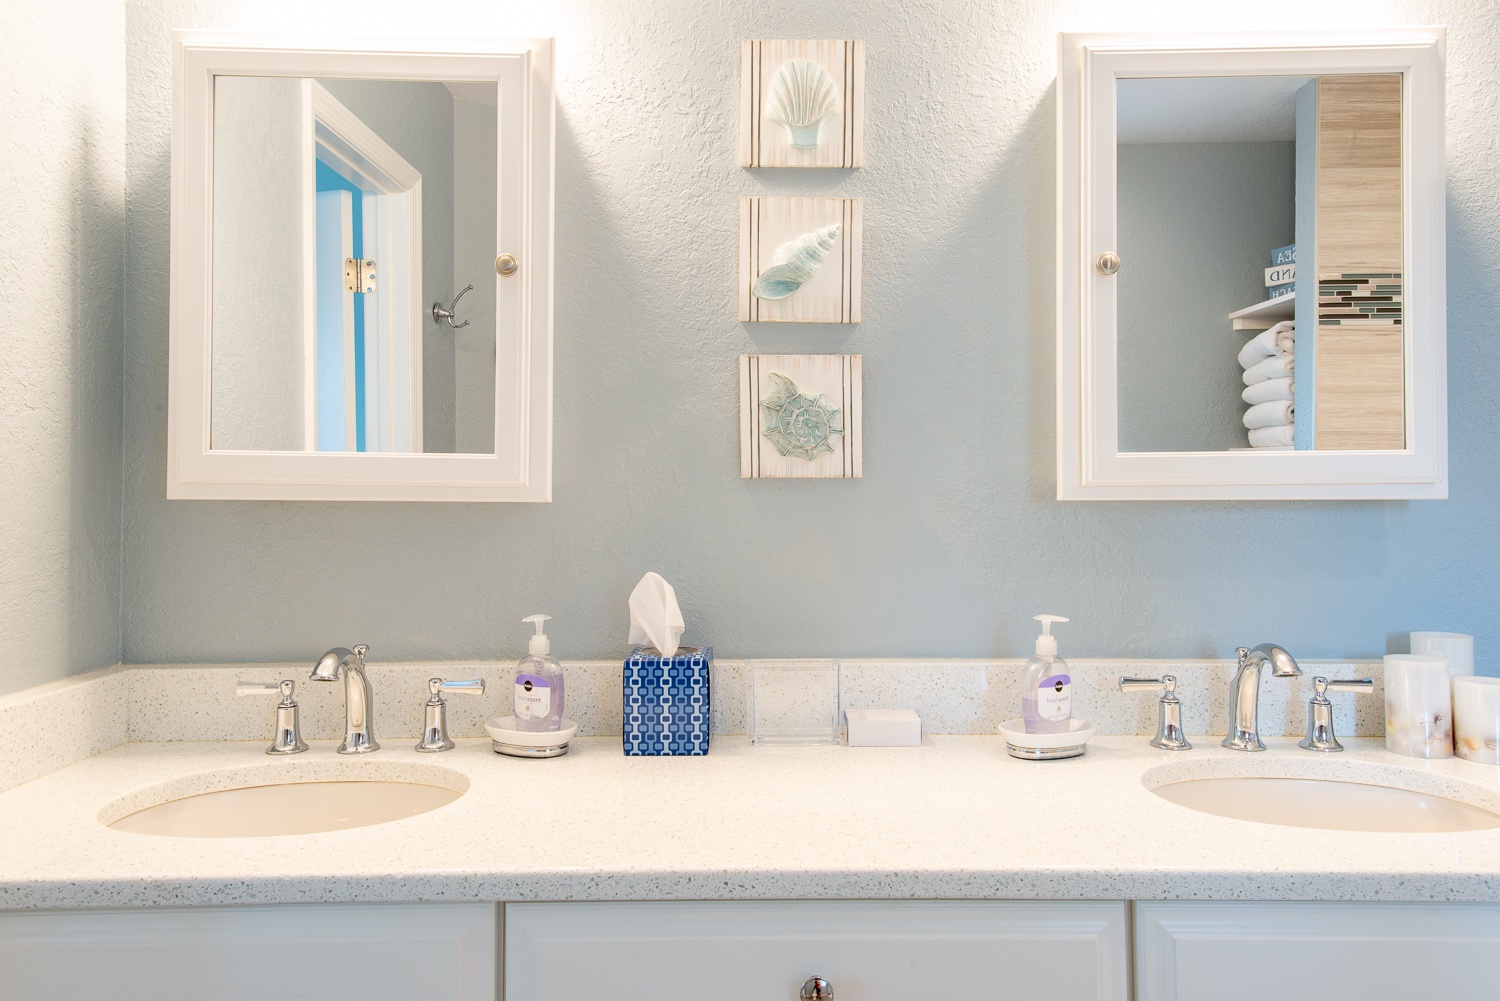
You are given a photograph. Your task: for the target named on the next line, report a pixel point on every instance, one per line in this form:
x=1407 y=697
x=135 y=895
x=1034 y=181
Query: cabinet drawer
x=439 y=952
x=1299 y=951
x=867 y=950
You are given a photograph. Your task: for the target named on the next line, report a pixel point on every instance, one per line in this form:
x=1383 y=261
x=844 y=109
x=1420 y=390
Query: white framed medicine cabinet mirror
x=1251 y=276
x=361 y=269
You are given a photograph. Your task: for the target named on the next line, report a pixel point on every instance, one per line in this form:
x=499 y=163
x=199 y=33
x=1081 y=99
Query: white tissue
x=655 y=618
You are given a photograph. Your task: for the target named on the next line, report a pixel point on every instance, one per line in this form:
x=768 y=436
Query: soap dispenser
x=1046 y=689
x=539 y=684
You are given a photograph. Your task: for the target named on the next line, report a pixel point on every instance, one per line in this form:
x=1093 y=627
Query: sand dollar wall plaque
x=800 y=417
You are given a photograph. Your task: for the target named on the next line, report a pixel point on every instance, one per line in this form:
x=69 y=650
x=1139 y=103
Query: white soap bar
x=884 y=728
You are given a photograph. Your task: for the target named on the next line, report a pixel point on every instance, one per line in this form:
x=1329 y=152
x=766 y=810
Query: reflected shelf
x=1264 y=315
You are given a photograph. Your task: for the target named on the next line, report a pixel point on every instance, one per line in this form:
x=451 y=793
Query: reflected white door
x=337 y=420
x=368 y=344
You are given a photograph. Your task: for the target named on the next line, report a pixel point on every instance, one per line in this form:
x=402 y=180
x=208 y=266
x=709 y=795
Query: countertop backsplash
x=45 y=728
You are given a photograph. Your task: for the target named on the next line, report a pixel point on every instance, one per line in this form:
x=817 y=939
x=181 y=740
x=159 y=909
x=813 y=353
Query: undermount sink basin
x=1332 y=805
x=271 y=810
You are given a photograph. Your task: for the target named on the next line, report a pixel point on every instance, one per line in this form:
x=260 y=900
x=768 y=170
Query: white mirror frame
x=521 y=468
x=1089 y=463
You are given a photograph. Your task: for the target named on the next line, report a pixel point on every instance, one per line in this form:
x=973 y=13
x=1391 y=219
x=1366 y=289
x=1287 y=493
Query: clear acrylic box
x=793 y=701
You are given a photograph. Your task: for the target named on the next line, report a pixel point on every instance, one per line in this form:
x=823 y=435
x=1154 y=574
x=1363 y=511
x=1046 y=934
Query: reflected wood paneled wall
x=1360 y=386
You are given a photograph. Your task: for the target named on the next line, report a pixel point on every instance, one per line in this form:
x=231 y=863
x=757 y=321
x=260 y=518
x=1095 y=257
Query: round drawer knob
x=1107 y=263
x=506 y=265
x=817 y=989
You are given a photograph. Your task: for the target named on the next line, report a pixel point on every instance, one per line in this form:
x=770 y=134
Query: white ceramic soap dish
x=526 y=744
x=1046 y=746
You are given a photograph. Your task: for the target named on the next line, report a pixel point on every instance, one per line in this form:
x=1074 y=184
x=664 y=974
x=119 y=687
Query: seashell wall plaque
x=800 y=417
x=796 y=262
x=802 y=96
x=798 y=424
x=800 y=259
x=802 y=103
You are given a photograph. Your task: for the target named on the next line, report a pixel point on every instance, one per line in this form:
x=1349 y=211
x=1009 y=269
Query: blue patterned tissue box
x=666 y=701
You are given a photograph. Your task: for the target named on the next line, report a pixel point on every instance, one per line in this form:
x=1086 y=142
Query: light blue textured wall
x=953 y=539
x=62 y=229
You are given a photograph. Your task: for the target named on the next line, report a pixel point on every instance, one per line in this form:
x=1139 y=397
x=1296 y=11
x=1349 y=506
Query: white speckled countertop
x=955 y=818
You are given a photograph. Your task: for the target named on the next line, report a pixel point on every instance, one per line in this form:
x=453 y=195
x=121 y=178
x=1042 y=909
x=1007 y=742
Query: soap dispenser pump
x=1046 y=688
x=538 y=700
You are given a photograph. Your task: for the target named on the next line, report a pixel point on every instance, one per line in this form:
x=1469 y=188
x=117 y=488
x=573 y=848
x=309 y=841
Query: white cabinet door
x=1296 y=951
x=867 y=950
x=435 y=952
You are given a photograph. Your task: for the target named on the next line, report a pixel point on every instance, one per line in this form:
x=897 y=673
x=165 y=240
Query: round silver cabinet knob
x=506 y=265
x=1107 y=263
x=817 y=989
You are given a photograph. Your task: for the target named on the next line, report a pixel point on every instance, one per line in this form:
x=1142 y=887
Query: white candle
x=1418 y=706
x=1456 y=648
x=1476 y=719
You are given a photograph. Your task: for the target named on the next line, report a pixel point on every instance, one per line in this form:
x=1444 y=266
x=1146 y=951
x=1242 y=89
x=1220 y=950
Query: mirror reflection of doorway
x=365 y=359
x=339 y=361
x=418 y=164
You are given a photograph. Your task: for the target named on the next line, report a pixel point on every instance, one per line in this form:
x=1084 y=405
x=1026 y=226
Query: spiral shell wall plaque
x=800 y=416
x=800 y=259
x=796 y=261
x=802 y=103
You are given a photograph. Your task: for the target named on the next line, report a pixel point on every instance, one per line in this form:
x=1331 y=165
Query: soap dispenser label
x=1054 y=698
x=533 y=697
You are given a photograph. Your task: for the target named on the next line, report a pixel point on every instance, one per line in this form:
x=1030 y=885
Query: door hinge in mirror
x=359 y=275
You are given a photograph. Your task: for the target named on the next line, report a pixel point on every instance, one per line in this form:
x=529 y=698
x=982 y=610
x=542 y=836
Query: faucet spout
x=359 y=735
x=1244 y=693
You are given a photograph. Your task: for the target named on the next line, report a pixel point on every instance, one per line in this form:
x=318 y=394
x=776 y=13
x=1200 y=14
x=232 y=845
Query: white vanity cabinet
x=866 y=950
x=1300 y=951
x=439 y=952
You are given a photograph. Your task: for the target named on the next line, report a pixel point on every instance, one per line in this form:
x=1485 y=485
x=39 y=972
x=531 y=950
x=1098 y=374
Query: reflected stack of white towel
x=1268 y=361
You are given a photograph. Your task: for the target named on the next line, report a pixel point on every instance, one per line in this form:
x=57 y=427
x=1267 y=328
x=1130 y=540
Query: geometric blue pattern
x=666 y=702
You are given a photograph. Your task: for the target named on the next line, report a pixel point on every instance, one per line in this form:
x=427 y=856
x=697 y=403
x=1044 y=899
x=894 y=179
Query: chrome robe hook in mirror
x=439 y=314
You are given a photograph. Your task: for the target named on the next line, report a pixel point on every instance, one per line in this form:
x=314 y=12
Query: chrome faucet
x=1244 y=693
x=359 y=734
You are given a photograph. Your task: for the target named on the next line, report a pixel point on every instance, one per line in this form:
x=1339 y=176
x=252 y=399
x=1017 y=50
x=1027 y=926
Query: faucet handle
x=1320 y=735
x=435 y=726
x=1169 y=736
x=1166 y=683
x=287 y=688
x=474 y=686
x=288 y=738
